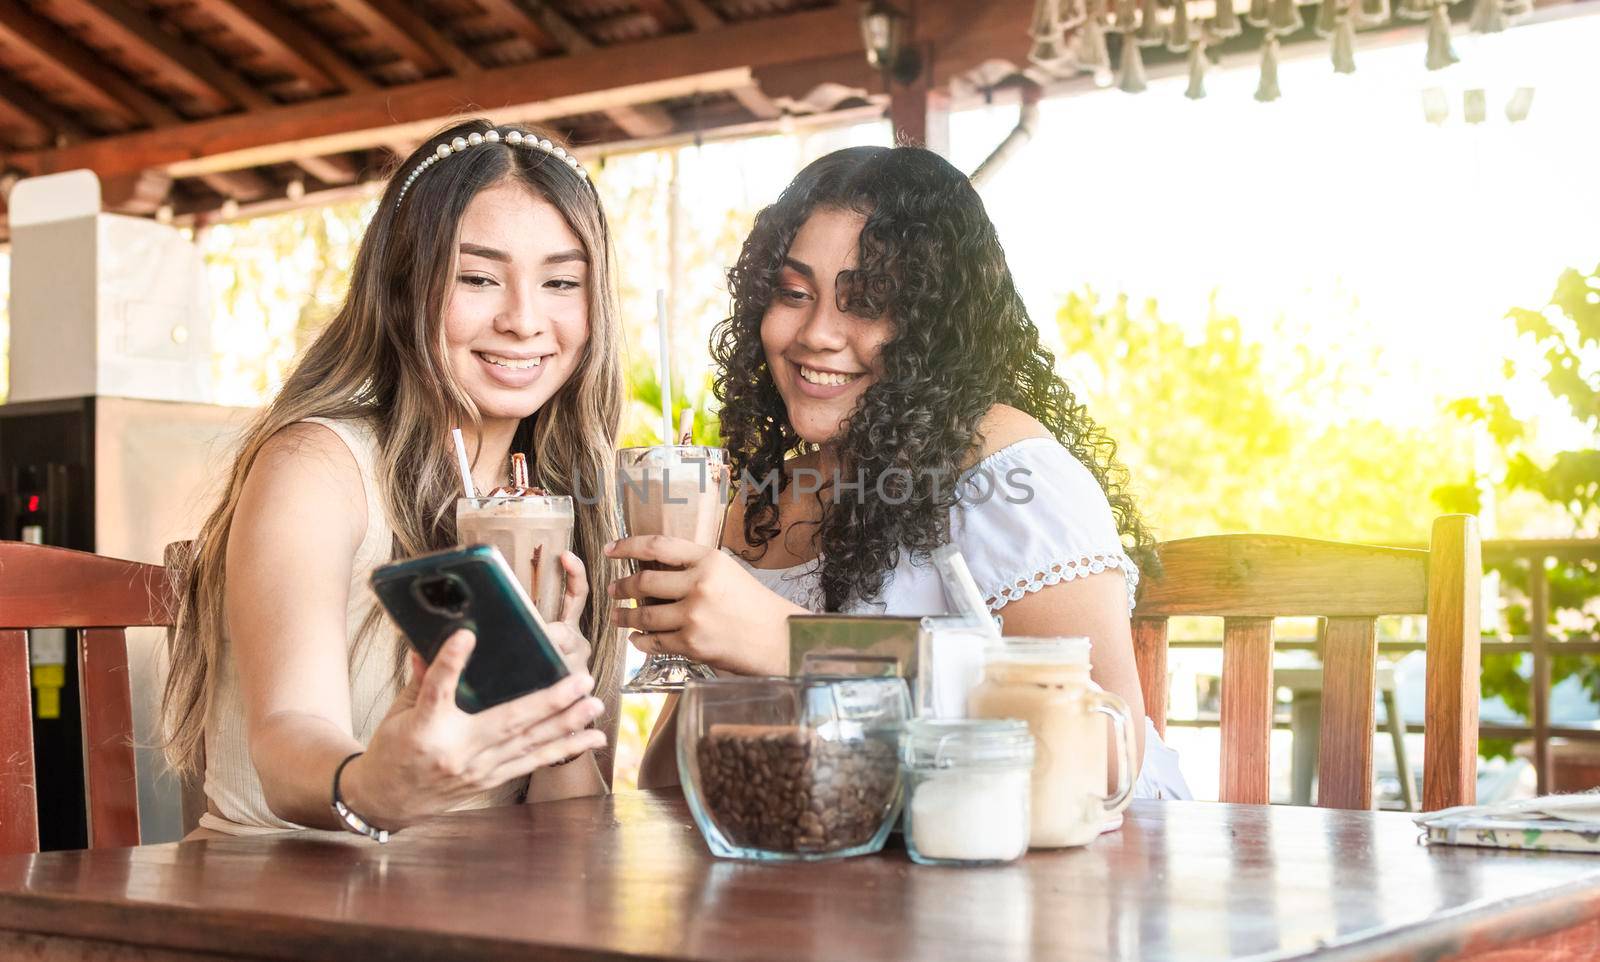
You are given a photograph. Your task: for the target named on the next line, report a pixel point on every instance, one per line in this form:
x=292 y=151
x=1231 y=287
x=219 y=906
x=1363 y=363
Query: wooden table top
x=629 y=877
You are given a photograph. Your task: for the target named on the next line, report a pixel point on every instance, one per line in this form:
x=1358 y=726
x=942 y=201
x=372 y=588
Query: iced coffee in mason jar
x=1045 y=682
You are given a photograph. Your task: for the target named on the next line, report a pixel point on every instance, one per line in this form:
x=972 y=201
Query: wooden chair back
x=1250 y=579
x=47 y=587
x=191 y=789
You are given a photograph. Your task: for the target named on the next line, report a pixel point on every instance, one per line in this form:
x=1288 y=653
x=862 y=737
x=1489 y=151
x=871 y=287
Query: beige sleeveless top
x=231 y=783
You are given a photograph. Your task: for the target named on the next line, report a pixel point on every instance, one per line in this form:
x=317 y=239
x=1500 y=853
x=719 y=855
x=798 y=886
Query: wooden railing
x=1537 y=643
x=1536 y=553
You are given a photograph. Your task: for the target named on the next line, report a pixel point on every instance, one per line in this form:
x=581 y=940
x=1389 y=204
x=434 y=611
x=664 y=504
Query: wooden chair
x=191 y=789
x=46 y=587
x=1250 y=579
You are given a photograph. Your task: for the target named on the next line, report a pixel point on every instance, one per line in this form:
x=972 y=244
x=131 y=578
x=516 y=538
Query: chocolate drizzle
x=519 y=486
x=534 y=562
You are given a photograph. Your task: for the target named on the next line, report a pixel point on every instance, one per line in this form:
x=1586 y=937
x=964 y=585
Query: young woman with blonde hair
x=482 y=297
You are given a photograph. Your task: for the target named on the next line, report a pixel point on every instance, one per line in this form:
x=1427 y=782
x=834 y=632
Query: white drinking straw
x=461 y=461
x=960 y=587
x=666 y=366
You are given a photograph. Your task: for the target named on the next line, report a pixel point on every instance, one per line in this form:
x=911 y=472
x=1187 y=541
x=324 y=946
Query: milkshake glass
x=532 y=531
x=678 y=490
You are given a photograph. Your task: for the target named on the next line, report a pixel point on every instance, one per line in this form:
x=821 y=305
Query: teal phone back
x=432 y=596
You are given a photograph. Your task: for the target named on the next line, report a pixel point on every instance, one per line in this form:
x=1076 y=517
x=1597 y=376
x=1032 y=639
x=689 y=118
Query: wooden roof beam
x=13 y=118
x=675 y=14
x=625 y=75
x=23 y=29
x=405 y=31
x=559 y=28
x=511 y=15
x=239 y=184
x=335 y=169
x=189 y=60
x=758 y=103
x=636 y=121
x=960 y=40
x=140 y=193
x=193 y=214
x=261 y=24
x=31 y=106
x=701 y=14
x=799 y=80
x=645 y=120
x=665 y=13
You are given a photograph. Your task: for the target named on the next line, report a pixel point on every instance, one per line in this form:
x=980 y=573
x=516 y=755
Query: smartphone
x=431 y=596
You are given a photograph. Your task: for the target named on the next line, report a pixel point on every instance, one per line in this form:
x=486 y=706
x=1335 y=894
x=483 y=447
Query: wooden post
x=108 y=763
x=1455 y=581
x=1246 y=710
x=19 y=826
x=919 y=114
x=1150 y=654
x=1349 y=669
x=1539 y=685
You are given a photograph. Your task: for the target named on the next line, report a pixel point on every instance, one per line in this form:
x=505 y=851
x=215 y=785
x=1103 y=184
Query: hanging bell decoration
x=1197 y=71
x=1370 y=13
x=1069 y=14
x=1475 y=105
x=1328 y=17
x=1044 y=18
x=1344 y=45
x=1092 y=54
x=1284 y=17
x=1226 y=22
x=1045 y=53
x=1178 y=39
x=1258 y=14
x=1130 y=72
x=1441 y=53
x=1046 y=32
x=1435 y=106
x=1268 y=91
x=1416 y=9
x=1151 y=33
x=1127 y=16
x=1488 y=16
x=1520 y=103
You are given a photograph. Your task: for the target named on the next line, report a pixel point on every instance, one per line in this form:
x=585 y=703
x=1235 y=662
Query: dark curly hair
x=962 y=342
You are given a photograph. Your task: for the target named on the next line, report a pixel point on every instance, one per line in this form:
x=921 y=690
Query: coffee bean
x=788 y=789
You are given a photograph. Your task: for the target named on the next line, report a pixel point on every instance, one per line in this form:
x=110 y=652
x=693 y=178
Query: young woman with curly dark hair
x=884 y=393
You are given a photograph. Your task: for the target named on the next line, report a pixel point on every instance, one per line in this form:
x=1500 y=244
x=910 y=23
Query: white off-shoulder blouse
x=1030 y=515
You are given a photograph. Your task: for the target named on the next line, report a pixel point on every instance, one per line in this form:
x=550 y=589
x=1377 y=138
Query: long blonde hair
x=382 y=358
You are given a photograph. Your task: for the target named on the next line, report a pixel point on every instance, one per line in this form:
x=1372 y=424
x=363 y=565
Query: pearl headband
x=513 y=137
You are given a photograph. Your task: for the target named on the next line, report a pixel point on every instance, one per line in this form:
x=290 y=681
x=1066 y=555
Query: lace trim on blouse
x=1069 y=570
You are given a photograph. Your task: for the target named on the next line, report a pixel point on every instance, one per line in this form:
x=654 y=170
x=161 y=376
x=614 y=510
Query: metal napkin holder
x=895 y=646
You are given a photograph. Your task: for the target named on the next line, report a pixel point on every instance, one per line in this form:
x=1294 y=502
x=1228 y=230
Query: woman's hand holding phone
x=428 y=756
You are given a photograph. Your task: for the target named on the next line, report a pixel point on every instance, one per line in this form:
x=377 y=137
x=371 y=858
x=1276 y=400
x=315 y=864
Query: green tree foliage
x=276 y=282
x=1224 y=431
x=642 y=424
x=1565 y=335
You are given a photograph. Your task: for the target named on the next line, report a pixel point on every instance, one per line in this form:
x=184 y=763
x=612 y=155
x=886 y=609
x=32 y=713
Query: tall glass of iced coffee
x=678 y=490
x=531 y=528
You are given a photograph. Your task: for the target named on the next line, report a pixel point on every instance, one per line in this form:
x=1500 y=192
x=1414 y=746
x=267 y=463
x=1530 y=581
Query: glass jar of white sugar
x=967 y=790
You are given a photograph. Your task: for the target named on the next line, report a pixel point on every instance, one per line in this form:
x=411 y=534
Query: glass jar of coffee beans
x=792 y=768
